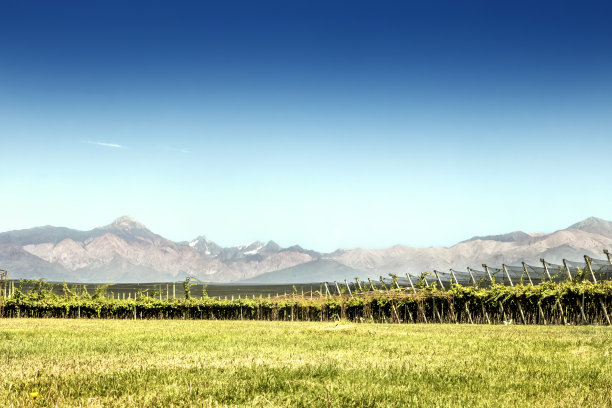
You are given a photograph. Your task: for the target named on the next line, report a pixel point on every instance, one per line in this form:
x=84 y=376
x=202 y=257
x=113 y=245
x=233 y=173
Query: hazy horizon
x=325 y=125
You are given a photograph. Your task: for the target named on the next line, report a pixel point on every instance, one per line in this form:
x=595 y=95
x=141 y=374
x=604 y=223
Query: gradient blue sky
x=331 y=124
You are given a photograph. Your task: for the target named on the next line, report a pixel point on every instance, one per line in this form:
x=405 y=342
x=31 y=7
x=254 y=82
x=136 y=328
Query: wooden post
x=546 y=268
x=436 y=310
x=454 y=277
x=468 y=313
x=484 y=311
x=419 y=306
x=556 y=301
x=588 y=262
x=520 y=308
x=327 y=290
x=450 y=308
x=337 y=288
x=359 y=284
x=433 y=300
x=439 y=280
x=608 y=255
x=348 y=287
x=160 y=291
x=486 y=268
x=601 y=303
x=394 y=279
x=383 y=286
x=569 y=274
x=392 y=304
x=577 y=302
x=371 y=284
x=467 y=309
x=410 y=315
x=411 y=285
x=539 y=303
x=173 y=290
x=527 y=273
x=471 y=275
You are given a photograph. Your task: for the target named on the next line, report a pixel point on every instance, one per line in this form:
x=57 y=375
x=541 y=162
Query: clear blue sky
x=331 y=124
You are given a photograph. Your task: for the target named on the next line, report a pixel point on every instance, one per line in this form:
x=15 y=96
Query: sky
x=324 y=124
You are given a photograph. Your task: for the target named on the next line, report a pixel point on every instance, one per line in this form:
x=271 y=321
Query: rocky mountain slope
x=126 y=251
x=588 y=237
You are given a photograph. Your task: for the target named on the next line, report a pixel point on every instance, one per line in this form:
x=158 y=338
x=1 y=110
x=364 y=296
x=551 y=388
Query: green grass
x=258 y=363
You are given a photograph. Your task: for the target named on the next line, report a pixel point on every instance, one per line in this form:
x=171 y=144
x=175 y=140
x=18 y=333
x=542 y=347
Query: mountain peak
x=516 y=236
x=594 y=225
x=126 y=223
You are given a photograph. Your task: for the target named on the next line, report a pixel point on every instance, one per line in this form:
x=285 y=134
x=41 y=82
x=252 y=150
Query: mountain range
x=127 y=251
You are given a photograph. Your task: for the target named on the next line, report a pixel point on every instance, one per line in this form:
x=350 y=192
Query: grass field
x=257 y=363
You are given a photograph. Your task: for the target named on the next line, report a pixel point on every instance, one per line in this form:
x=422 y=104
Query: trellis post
x=454 y=277
x=501 y=306
x=584 y=320
x=569 y=274
x=439 y=280
x=527 y=273
x=546 y=268
x=348 y=287
x=539 y=302
x=392 y=302
x=371 y=285
x=520 y=308
x=359 y=284
x=588 y=263
x=557 y=301
x=443 y=288
x=419 y=305
x=337 y=288
x=433 y=299
x=394 y=279
x=471 y=275
x=601 y=303
x=410 y=281
x=465 y=304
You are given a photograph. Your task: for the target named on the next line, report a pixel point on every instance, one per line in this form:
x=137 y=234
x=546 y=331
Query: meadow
x=166 y=363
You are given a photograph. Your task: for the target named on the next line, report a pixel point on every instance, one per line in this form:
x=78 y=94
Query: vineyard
x=583 y=296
